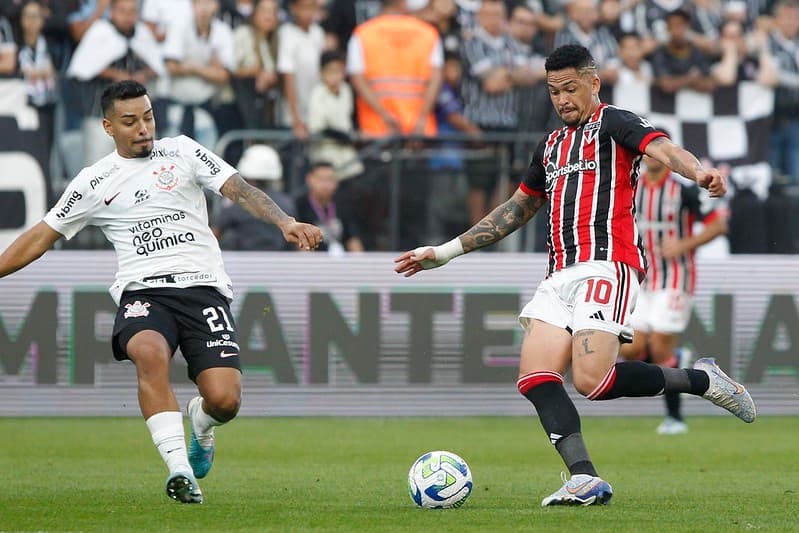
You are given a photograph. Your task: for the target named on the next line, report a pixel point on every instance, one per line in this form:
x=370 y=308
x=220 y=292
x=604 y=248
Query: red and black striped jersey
x=667 y=210
x=589 y=175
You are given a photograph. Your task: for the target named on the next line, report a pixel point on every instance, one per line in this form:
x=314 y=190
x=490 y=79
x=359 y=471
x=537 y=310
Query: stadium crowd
x=328 y=72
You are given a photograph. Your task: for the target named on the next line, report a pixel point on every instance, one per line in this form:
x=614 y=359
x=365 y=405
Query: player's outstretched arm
x=495 y=226
x=258 y=204
x=27 y=248
x=686 y=164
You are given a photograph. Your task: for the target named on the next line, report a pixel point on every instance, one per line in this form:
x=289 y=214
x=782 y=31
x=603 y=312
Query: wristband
x=448 y=251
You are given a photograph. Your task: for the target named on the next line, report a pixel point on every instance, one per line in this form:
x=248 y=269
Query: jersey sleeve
x=534 y=182
x=74 y=209
x=210 y=170
x=629 y=130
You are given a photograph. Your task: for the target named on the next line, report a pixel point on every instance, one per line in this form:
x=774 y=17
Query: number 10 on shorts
x=599 y=291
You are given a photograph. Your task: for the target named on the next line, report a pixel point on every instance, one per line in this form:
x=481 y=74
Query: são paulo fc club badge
x=137 y=309
x=166 y=179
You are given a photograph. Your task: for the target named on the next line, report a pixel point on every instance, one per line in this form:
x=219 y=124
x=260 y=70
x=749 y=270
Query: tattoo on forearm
x=502 y=221
x=254 y=201
x=680 y=160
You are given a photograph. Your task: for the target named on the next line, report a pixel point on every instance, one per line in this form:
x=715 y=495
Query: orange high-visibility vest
x=396 y=54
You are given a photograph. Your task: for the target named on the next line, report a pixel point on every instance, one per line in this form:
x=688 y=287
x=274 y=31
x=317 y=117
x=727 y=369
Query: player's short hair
x=120 y=90
x=570 y=56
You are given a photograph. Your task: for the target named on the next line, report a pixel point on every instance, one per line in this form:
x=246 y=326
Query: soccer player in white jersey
x=172 y=290
x=586 y=173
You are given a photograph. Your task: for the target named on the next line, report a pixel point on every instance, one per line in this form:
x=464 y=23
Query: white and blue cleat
x=581 y=489
x=183 y=487
x=201 y=458
x=726 y=392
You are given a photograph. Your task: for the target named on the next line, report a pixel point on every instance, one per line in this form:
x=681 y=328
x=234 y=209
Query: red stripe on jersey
x=674 y=192
x=648 y=139
x=586 y=201
x=533 y=379
x=530 y=192
x=649 y=215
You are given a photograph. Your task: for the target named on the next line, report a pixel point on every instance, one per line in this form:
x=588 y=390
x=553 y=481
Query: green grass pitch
x=349 y=474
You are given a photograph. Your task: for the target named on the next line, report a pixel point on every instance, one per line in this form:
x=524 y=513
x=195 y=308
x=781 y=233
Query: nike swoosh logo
x=109 y=200
x=578 y=488
x=225 y=354
x=738 y=387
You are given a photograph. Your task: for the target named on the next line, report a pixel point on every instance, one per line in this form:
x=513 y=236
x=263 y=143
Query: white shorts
x=598 y=295
x=662 y=311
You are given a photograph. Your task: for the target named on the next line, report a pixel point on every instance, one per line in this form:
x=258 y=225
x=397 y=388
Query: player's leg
x=637 y=349
x=662 y=349
x=145 y=333
x=209 y=344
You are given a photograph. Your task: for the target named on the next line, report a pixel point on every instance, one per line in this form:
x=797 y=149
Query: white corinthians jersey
x=153 y=210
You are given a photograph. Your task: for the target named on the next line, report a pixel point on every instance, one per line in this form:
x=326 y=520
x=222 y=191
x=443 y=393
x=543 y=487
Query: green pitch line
x=349 y=474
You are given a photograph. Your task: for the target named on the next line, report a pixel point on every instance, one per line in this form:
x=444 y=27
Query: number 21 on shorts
x=213 y=320
x=599 y=291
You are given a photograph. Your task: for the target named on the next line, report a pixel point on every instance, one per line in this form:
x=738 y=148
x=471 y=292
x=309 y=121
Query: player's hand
x=422 y=258
x=671 y=248
x=712 y=180
x=305 y=236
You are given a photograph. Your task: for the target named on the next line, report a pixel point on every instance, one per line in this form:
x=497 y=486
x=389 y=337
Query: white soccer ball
x=439 y=480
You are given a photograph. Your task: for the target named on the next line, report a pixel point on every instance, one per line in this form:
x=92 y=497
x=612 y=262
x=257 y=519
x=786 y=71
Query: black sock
x=686 y=380
x=632 y=379
x=561 y=421
x=673 y=405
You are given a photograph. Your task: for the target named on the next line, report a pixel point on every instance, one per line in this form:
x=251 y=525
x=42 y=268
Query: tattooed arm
x=495 y=226
x=258 y=204
x=686 y=164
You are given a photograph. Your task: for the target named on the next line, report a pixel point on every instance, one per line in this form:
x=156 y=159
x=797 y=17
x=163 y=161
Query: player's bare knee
x=585 y=384
x=225 y=407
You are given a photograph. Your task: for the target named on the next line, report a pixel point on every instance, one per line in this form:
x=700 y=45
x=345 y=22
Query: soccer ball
x=439 y=480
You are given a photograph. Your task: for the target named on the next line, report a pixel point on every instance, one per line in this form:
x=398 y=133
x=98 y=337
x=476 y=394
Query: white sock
x=204 y=425
x=168 y=436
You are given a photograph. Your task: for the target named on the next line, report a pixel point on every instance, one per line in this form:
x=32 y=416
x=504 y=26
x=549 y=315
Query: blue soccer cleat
x=725 y=392
x=182 y=487
x=201 y=458
x=581 y=489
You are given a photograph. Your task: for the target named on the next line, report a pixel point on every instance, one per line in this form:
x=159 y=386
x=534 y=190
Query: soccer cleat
x=672 y=426
x=200 y=458
x=182 y=487
x=725 y=392
x=581 y=489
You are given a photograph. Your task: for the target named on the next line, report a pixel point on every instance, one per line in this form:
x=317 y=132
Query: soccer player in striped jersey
x=667 y=207
x=586 y=173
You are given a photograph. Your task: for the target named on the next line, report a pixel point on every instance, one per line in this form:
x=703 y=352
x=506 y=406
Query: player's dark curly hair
x=120 y=90
x=570 y=56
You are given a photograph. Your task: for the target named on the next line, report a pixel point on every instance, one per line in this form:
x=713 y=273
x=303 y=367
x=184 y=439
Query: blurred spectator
x=650 y=22
x=738 y=63
x=679 y=64
x=54 y=14
x=83 y=15
x=236 y=12
x=343 y=16
x=582 y=28
x=706 y=19
x=549 y=17
x=199 y=56
x=8 y=49
x=330 y=114
x=159 y=14
x=784 y=41
x=300 y=45
x=441 y=14
x=111 y=50
x=255 y=46
x=237 y=229
x=490 y=98
x=633 y=68
x=449 y=108
x=318 y=206
x=34 y=61
x=528 y=73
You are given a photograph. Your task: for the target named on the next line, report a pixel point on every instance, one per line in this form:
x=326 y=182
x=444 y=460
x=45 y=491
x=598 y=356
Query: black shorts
x=196 y=319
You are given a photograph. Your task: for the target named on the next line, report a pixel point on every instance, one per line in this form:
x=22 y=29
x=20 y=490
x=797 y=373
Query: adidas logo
x=598 y=316
x=554 y=438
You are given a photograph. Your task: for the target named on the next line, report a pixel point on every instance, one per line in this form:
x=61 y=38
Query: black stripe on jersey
x=570 y=191
x=661 y=198
x=621 y=290
x=604 y=175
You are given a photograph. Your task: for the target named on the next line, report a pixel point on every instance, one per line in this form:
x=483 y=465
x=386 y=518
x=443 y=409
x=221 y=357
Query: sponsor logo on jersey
x=143 y=225
x=218 y=343
x=137 y=309
x=141 y=196
x=69 y=203
x=224 y=354
x=163 y=152
x=148 y=242
x=578 y=166
x=96 y=180
x=180 y=278
x=166 y=179
x=208 y=161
